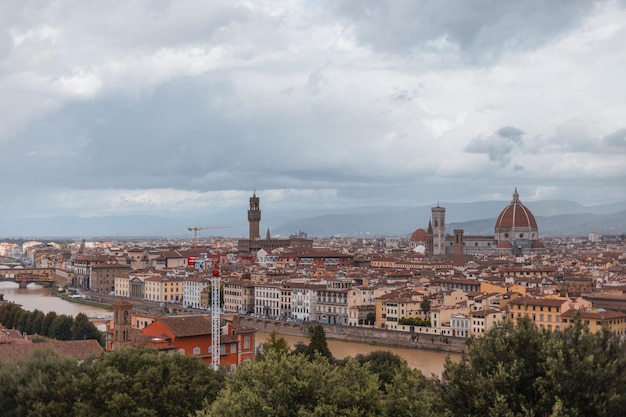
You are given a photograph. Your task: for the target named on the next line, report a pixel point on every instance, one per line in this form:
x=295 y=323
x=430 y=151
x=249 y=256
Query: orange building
x=191 y=335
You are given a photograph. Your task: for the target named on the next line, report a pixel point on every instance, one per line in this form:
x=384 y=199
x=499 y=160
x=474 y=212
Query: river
x=427 y=361
x=37 y=297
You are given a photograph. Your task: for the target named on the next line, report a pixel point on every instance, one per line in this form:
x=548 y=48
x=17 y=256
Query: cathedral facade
x=515 y=232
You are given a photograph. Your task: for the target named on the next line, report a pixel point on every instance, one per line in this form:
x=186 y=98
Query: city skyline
x=159 y=108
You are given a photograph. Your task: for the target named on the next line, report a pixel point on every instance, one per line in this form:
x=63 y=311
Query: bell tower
x=122 y=327
x=439 y=230
x=254 y=217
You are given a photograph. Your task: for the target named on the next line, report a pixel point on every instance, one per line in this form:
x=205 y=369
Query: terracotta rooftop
x=186 y=326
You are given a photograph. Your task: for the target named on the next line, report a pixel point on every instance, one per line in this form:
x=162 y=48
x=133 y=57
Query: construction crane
x=196 y=229
x=215 y=310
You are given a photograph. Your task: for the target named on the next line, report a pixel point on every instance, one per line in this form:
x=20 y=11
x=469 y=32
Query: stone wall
x=368 y=335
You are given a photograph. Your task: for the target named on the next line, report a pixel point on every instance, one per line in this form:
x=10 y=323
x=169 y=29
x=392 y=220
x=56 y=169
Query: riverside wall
x=367 y=335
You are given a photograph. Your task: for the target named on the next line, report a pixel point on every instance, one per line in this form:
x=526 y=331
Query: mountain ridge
x=555 y=217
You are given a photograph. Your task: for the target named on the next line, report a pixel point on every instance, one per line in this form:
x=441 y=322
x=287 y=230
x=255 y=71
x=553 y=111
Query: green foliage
x=498 y=370
x=586 y=372
x=47 y=322
x=521 y=371
x=121 y=383
x=40 y=386
x=414 y=321
x=83 y=329
x=146 y=384
x=274 y=345
x=411 y=394
x=61 y=327
x=382 y=363
x=292 y=385
x=318 y=344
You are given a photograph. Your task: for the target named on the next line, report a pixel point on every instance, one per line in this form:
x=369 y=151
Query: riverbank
x=367 y=335
x=429 y=362
x=79 y=300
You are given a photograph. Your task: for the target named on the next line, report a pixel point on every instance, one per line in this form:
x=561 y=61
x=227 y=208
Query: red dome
x=516 y=216
x=419 y=235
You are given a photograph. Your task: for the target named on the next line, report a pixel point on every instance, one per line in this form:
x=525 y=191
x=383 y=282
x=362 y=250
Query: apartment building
x=239 y=296
x=164 y=289
x=267 y=300
x=192 y=288
x=544 y=312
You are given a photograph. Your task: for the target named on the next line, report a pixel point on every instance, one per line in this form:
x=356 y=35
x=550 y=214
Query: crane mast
x=215 y=311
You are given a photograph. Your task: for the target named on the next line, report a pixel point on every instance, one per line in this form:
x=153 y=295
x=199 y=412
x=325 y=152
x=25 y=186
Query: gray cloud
x=337 y=103
x=482 y=30
x=616 y=139
x=497 y=146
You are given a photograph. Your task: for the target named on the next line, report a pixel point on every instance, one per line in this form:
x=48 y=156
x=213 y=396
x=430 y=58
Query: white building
x=192 y=287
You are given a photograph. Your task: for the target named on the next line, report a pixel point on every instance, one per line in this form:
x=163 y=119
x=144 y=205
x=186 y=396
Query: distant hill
x=555 y=217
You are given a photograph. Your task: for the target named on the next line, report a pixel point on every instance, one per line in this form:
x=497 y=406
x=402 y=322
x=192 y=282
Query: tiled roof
x=186 y=326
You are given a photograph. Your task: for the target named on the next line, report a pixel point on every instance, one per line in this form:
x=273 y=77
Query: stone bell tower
x=122 y=327
x=254 y=217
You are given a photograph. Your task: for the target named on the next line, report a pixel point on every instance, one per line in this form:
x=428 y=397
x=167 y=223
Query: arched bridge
x=25 y=276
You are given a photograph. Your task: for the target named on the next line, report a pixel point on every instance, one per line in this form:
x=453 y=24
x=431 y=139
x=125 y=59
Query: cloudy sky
x=174 y=107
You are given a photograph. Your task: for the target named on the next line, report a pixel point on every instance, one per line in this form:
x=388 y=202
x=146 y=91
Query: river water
x=37 y=297
x=428 y=361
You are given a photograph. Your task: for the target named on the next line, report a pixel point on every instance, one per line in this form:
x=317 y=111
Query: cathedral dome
x=419 y=235
x=516 y=221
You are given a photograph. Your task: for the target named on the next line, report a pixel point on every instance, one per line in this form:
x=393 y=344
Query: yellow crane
x=196 y=229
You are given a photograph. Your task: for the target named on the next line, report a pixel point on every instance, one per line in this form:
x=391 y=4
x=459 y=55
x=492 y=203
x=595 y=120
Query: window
x=196 y=350
x=181 y=351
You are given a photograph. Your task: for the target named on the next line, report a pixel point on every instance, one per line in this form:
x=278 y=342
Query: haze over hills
x=555 y=217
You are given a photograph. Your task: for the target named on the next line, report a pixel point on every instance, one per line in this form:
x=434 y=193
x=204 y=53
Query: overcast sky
x=165 y=107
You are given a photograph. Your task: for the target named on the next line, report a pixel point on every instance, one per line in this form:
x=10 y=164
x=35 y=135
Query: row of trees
x=127 y=382
x=511 y=371
x=60 y=327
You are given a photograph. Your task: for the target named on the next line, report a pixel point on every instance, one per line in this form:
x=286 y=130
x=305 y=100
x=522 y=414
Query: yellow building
x=545 y=313
x=595 y=318
x=164 y=289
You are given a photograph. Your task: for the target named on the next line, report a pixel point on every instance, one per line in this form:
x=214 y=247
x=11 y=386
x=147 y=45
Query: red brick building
x=191 y=335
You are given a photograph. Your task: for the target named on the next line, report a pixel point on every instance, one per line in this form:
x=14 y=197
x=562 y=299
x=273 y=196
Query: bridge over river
x=25 y=276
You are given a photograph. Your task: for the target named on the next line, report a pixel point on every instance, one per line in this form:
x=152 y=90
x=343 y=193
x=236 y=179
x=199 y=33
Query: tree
x=83 y=329
x=61 y=327
x=273 y=345
x=497 y=372
x=127 y=382
x=425 y=305
x=585 y=372
x=133 y=382
x=411 y=394
x=292 y=385
x=318 y=344
x=384 y=364
x=35 y=322
x=42 y=385
x=47 y=322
